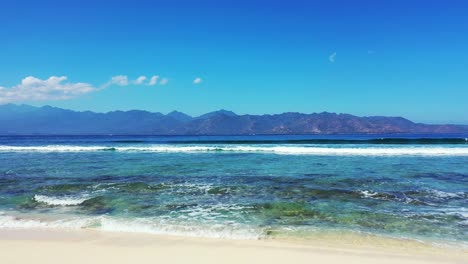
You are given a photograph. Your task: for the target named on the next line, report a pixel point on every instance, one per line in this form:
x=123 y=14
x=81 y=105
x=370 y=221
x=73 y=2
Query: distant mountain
x=180 y=116
x=47 y=120
x=217 y=113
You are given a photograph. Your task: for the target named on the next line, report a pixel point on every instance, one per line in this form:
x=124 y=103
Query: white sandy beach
x=49 y=247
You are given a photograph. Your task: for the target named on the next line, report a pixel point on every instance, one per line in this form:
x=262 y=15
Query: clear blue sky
x=396 y=58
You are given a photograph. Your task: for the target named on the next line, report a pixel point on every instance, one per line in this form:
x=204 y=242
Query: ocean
x=412 y=187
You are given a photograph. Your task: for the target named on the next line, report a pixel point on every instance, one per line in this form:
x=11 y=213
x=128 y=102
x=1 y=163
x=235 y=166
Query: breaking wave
x=60 y=201
x=135 y=225
x=421 y=197
x=275 y=149
x=14 y=222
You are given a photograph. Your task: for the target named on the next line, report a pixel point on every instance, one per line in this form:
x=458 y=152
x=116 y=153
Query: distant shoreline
x=47 y=120
x=312 y=136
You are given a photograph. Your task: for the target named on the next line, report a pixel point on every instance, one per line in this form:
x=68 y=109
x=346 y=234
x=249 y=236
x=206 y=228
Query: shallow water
x=239 y=187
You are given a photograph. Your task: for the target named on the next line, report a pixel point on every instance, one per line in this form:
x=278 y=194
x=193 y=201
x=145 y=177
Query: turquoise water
x=238 y=187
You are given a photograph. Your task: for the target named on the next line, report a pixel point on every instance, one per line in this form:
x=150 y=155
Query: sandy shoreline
x=53 y=246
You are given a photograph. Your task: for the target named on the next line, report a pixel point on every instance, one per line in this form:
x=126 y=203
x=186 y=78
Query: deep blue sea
x=252 y=187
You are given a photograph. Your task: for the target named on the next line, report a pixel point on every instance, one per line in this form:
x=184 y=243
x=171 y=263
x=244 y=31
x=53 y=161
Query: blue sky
x=396 y=58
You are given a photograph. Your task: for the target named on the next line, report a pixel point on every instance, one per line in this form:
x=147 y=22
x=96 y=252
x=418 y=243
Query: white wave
x=135 y=225
x=13 y=222
x=60 y=201
x=158 y=226
x=184 y=187
x=446 y=195
x=368 y=194
x=51 y=148
x=460 y=211
x=227 y=230
x=276 y=149
x=213 y=213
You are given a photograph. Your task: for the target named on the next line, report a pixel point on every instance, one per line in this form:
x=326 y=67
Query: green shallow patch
x=123 y=206
x=140 y=187
x=174 y=207
x=26 y=203
x=285 y=209
x=63 y=188
x=97 y=205
x=398 y=224
x=306 y=193
x=219 y=190
x=224 y=190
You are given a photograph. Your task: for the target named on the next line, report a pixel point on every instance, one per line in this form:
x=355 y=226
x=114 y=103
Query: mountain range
x=47 y=120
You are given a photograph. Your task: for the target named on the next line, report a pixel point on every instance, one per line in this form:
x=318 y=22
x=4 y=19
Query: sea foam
x=189 y=229
x=134 y=225
x=15 y=222
x=60 y=201
x=275 y=149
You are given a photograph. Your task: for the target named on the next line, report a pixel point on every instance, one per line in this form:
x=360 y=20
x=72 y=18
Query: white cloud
x=197 y=80
x=140 y=80
x=34 y=89
x=164 y=81
x=332 y=57
x=120 y=80
x=153 y=80
x=56 y=88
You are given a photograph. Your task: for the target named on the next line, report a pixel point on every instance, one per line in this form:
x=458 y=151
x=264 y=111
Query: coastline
x=89 y=246
x=83 y=200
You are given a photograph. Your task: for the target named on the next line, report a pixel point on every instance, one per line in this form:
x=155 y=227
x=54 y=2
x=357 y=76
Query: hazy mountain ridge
x=29 y=120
